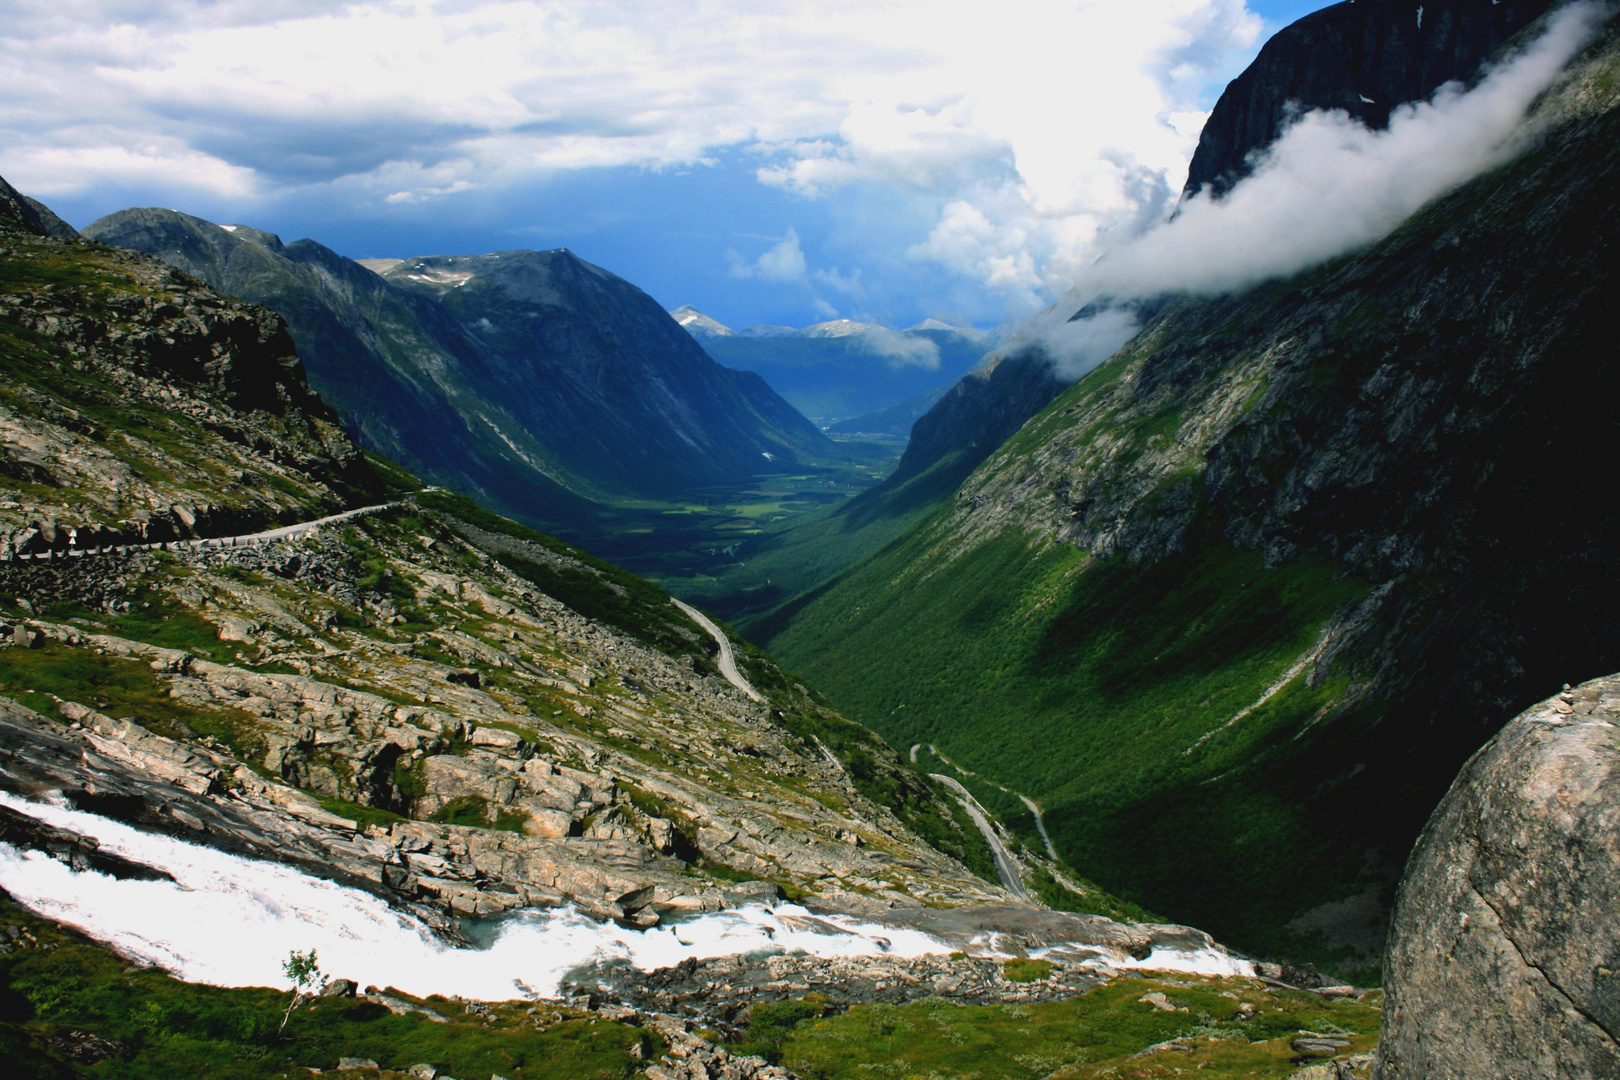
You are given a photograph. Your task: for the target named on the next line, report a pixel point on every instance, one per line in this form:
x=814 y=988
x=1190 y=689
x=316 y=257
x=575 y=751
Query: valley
x=1270 y=560
x=461 y=665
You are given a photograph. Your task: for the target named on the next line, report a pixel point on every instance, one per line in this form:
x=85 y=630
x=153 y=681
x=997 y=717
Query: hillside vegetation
x=1236 y=605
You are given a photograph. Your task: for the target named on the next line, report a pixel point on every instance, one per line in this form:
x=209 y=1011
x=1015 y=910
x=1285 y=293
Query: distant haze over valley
x=840 y=372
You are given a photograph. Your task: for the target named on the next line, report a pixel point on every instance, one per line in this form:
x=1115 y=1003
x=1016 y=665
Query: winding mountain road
x=727 y=659
x=284 y=532
x=1040 y=823
x=1006 y=865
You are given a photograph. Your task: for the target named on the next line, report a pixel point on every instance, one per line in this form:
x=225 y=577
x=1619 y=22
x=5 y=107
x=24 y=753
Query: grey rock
x=356 y=1063
x=1504 y=955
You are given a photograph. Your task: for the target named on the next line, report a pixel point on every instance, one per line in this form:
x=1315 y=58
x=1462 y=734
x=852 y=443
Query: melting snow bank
x=231 y=921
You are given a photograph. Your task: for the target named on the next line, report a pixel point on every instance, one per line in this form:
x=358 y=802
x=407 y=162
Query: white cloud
x=783 y=263
x=1329 y=185
x=1057 y=123
x=901 y=350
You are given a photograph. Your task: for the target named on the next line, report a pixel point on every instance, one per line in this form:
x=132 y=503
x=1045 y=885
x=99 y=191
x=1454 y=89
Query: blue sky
x=887 y=160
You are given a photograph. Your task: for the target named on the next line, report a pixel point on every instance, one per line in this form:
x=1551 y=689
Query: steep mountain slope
x=533 y=379
x=596 y=365
x=1362 y=59
x=139 y=405
x=1236 y=605
x=1331 y=59
x=894 y=421
x=409 y=379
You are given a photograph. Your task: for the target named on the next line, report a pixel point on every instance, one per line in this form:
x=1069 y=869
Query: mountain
x=700 y=325
x=842 y=368
x=1363 y=59
x=412 y=744
x=535 y=380
x=139 y=406
x=1235 y=606
x=893 y=422
x=1331 y=59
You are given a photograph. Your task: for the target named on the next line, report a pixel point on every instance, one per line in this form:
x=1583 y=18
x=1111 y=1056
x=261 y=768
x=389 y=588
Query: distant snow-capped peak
x=838 y=328
x=700 y=325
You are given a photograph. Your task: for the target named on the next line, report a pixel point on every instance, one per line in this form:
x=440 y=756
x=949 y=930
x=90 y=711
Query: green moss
x=169 y=1028
x=1025 y=970
x=771 y=1023
x=1095 y=1035
x=118 y=687
x=364 y=816
x=477 y=812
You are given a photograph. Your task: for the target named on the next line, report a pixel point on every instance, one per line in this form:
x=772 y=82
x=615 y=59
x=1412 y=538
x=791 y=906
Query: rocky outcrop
x=567 y=762
x=1363 y=59
x=142 y=406
x=1504 y=953
x=17 y=214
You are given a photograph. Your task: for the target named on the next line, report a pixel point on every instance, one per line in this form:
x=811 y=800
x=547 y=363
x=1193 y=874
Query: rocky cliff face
x=1363 y=59
x=1307 y=546
x=1504 y=949
x=140 y=404
x=533 y=379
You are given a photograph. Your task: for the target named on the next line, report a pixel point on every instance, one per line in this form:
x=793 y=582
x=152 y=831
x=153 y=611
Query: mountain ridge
x=421 y=382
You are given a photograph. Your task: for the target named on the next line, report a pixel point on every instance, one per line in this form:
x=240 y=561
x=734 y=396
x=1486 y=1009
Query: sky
x=781 y=162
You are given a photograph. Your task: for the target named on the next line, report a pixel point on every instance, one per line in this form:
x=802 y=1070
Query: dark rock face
x=1363 y=58
x=978 y=414
x=17 y=213
x=1429 y=417
x=48 y=221
x=1504 y=957
x=598 y=366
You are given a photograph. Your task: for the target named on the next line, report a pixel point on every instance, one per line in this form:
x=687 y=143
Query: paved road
x=1040 y=823
x=728 y=659
x=284 y=532
x=1006 y=865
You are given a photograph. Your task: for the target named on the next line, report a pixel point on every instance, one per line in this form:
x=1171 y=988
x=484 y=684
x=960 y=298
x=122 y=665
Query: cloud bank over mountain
x=1326 y=187
x=995 y=149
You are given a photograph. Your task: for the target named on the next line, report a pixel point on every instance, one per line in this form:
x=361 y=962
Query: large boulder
x=1504 y=954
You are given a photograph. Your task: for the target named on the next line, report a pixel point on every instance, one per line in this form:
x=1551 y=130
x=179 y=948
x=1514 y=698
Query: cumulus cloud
x=1329 y=185
x=900 y=350
x=1017 y=138
x=783 y=263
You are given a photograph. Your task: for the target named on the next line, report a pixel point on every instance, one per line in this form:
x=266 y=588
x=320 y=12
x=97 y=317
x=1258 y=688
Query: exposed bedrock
x=1504 y=955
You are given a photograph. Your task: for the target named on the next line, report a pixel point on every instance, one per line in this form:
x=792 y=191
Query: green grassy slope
x=1122 y=612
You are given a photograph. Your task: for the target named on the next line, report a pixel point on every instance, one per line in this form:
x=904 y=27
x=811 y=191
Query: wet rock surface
x=717 y=991
x=1504 y=956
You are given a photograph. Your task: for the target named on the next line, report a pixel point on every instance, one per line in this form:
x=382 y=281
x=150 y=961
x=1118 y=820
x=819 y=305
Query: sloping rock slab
x=1504 y=954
